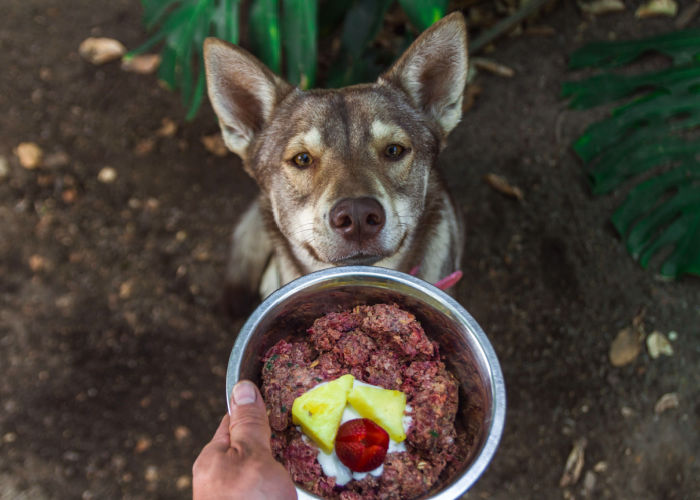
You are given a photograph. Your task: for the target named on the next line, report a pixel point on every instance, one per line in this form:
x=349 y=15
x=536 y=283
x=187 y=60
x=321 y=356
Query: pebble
x=107 y=175
x=29 y=154
x=658 y=344
x=666 y=402
x=143 y=444
x=151 y=474
x=182 y=433
x=4 y=167
x=625 y=348
x=144 y=64
x=183 y=483
x=10 y=437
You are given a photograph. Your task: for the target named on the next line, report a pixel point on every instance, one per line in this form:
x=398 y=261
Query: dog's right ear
x=242 y=91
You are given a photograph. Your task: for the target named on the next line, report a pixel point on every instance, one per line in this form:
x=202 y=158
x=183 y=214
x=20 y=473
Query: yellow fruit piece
x=383 y=406
x=319 y=410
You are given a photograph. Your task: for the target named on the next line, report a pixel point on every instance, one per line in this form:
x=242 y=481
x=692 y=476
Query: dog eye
x=394 y=151
x=303 y=160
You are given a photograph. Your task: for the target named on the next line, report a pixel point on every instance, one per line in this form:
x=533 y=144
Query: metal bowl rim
x=498 y=391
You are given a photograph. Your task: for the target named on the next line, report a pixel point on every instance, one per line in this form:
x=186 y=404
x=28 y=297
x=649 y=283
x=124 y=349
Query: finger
x=221 y=435
x=248 y=424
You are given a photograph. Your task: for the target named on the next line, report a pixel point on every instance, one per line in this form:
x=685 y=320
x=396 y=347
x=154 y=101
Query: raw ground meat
x=381 y=345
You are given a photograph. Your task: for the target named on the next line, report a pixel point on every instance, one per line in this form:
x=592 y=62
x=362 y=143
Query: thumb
x=248 y=424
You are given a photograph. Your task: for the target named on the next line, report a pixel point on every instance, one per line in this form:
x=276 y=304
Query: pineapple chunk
x=384 y=407
x=319 y=410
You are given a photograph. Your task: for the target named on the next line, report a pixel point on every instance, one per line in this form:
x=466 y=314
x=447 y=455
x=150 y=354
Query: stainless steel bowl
x=469 y=355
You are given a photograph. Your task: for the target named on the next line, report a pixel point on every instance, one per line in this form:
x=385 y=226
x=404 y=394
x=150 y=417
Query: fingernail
x=244 y=393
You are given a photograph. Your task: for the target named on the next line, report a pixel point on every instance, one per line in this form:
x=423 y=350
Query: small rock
x=107 y=175
x=181 y=235
x=4 y=167
x=183 y=483
x=589 y=481
x=10 y=437
x=101 y=50
x=167 y=129
x=69 y=196
x=151 y=474
x=657 y=8
x=215 y=145
x=666 y=402
x=182 y=433
x=600 y=467
x=30 y=155
x=144 y=64
x=125 y=289
x=56 y=160
x=673 y=335
x=627 y=412
x=143 y=444
x=626 y=347
x=574 y=464
x=37 y=263
x=658 y=344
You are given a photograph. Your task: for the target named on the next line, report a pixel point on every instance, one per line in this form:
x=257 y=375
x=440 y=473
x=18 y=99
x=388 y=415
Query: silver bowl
x=468 y=353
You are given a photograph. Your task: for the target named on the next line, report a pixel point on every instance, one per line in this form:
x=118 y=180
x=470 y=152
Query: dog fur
x=346 y=176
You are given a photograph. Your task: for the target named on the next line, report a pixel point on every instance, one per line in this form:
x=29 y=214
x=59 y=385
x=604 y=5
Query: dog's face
x=346 y=171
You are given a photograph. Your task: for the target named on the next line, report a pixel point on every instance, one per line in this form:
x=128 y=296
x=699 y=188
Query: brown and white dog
x=347 y=176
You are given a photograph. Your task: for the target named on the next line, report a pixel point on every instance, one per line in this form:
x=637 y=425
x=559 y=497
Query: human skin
x=237 y=463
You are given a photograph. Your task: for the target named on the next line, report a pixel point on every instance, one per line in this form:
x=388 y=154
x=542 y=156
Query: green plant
x=282 y=33
x=652 y=139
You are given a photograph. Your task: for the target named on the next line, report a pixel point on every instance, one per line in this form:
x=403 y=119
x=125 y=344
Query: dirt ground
x=112 y=349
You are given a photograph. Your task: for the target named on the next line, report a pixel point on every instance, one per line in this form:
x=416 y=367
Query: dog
x=347 y=176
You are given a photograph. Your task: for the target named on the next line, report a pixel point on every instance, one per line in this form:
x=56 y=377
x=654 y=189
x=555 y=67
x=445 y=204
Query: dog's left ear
x=433 y=71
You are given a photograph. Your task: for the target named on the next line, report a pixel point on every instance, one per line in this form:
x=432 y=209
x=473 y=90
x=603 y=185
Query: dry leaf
x=144 y=64
x=501 y=185
x=167 y=129
x=215 y=144
x=658 y=344
x=657 y=8
x=597 y=7
x=574 y=464
x=493 y=67
x=29 y=154
x=101 y=50
x=666 y=402
x=625 y=348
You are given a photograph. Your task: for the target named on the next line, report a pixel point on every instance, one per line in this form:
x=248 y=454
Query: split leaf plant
x=652 y=139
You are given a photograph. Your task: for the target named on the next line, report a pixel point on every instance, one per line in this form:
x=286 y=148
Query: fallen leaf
x=144 y=64
x=628 y=343
x=666 y=402
x=493 y=67
x=167 y=129
x=574 y=464
x=598 y=7
x=657 y=8
x=215 y=144
x=501 y=185
x=101 y=50
x=658 y=344
x=30 y=155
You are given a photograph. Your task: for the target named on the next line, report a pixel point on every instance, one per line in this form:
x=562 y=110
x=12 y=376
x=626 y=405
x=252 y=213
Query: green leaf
x=423 y=13
x=265 y=32
x=653 y=135
x=299 y=34
x=225 y=20
x=682 y=46
x=362 y=24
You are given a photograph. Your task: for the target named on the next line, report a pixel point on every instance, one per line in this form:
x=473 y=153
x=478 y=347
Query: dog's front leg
x=251 y=249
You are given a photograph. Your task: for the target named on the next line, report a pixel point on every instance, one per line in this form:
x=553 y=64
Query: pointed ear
x=242 y=91
x=433 y=71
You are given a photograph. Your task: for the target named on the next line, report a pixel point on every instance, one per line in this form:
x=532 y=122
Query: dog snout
x=357 y=219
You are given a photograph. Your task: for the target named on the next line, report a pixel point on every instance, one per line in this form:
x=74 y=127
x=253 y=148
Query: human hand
x=238 y=462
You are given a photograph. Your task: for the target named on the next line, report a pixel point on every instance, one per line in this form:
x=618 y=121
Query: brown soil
x=113 y=352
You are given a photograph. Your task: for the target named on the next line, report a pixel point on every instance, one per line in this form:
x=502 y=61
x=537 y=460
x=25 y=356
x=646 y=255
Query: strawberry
x=361 y=444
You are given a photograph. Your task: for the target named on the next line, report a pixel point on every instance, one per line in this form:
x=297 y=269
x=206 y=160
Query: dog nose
x=357 y=219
